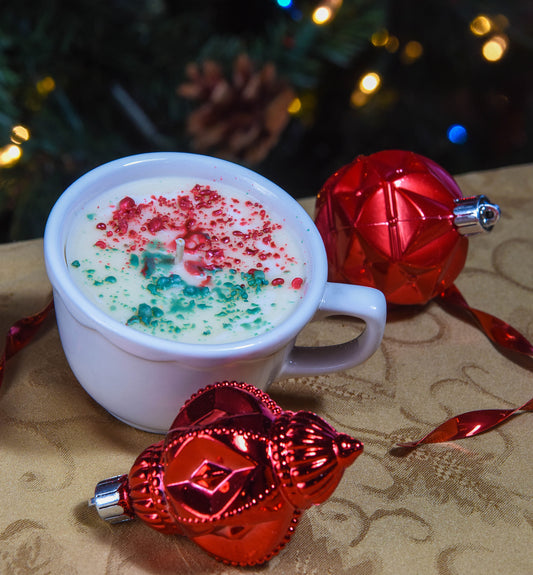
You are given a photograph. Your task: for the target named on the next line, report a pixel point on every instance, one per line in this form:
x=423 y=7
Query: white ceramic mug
x=144 y=380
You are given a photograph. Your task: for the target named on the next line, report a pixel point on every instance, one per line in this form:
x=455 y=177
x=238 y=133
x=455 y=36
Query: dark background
x=96 y=80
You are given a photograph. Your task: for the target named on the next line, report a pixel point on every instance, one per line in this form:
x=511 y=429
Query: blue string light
x=457 y=134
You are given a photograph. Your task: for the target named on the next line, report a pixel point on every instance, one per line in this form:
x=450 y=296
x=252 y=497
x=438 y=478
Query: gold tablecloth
x=454 y=508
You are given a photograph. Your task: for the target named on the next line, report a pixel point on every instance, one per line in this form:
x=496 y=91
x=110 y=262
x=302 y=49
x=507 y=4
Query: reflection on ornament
x=234 y=474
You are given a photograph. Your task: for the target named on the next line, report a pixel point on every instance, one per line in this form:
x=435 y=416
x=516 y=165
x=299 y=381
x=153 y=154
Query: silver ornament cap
x=108 y=496
x=475 y=214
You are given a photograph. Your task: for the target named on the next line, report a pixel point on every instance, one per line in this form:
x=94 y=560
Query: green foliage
x=116 y=64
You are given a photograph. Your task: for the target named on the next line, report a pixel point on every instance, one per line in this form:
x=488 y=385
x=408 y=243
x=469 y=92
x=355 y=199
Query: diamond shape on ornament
x=204 y=476
x=210 y=476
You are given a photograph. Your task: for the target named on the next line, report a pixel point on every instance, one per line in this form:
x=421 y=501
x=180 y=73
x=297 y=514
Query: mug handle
x=361 y=302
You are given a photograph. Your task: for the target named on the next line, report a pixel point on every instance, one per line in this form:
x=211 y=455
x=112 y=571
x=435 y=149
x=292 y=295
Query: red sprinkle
x=194 y=268
x=155 y=224
x=278 y=282
x=101 y=244
x=297 y=283
x=126 y=203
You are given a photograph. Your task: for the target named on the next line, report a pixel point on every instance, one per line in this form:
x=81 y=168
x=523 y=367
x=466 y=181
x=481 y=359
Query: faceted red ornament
x=233 y=474
x=397 y=221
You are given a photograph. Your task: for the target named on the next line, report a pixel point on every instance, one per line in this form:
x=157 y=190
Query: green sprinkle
x=111 y=279
x=157 y=312
x=154 y=261
x=182 y=305
x=134 y=260
x=145 y=313
x=75 y=264
x=195 y=291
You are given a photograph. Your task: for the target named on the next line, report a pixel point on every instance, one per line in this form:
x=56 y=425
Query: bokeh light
x=481 y=25
x=358 y=99
x=19 y=134
x=392 y=44
x=45 y=86
x=380 y=38
x=322 y=15
x=457 y=134
x=10 y=155
x=295 y=106
x=495 y=48
x=412 y=51
x=370 y=82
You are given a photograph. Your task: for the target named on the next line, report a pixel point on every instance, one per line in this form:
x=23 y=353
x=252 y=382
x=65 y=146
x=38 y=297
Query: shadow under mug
x=144 y=380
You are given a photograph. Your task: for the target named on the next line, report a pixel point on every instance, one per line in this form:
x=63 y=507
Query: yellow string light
x=481 y=25
x=322 y=15
x=295 y=106
x=10 y=155
x=380 y=38
x=45 y=86
x=413 y=50
x=495 y=48
x=326 y=11
x=358 y=99
x=370 y=82
x=392 y=44
x=501 y=22
x=19 y=134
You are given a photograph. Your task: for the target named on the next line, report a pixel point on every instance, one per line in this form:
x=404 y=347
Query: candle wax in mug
x=186 y=261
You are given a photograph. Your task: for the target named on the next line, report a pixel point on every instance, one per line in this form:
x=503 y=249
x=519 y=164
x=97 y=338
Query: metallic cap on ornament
x=107 y=497
x=475 y=214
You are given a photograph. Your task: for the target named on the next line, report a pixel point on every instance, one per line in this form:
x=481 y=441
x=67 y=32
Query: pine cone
x=240 y=118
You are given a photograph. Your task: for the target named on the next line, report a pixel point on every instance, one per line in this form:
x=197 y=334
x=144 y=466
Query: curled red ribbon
x=502 y=335
x=461 y=426
x=21 y=333
x=468 y=424
x=499 y=332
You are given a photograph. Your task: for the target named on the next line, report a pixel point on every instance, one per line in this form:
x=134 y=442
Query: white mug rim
x=149 y=346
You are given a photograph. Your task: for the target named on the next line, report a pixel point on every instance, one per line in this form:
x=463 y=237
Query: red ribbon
x=21 y=333
x=459 y=427
x=502 y=335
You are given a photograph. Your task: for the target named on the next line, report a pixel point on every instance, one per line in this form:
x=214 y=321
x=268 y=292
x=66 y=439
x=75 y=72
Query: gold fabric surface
x=446 y=509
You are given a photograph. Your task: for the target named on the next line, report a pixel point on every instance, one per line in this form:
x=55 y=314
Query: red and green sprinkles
x=219 y=241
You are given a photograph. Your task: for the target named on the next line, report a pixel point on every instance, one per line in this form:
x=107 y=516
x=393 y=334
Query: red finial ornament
x=234 y=474
x=397 y=221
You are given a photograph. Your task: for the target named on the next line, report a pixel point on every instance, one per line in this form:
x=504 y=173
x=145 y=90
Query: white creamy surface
x=186 y=260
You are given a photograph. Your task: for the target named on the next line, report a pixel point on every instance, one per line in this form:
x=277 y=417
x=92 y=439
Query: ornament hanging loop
x=475 y=214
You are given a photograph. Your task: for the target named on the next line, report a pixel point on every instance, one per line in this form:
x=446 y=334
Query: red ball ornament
x=234 y=474
x=397 y=221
